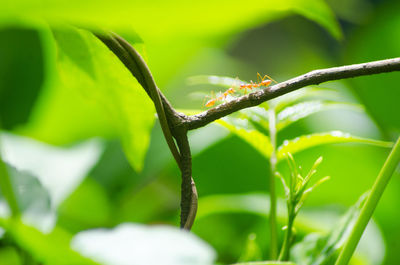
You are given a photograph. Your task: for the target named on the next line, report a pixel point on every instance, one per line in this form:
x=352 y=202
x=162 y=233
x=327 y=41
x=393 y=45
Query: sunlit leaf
x=223 y=81
x=136 y=244
x=204 y=21
x=319 y=12
x=316 y=249
x=33 y=200
x=122 y=13
x=306 y=93
x=252 y=250
x=190 y=111
x=9 y=256
x=302 y=110
x=205 y=137
x=88 y=195
x=242 y=129
x=59 y=170
x=258 y=117
x=266 y=263
x=326 y=225
x=258 y=204
x=49 y=249
x=307 y=141
x=86 y=65
x=364 y=46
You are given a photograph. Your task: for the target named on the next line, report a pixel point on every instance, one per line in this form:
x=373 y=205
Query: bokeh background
x=56 y=88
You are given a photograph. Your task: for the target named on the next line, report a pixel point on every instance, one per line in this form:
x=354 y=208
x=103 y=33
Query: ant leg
x=259 y=78
x=270 y=78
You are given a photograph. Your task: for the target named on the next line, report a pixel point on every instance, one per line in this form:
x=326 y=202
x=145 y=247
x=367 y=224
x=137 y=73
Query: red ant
x=261 y=82
x=212 y=101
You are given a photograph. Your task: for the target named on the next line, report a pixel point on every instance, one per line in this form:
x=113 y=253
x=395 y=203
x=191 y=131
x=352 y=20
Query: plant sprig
x=296 y=193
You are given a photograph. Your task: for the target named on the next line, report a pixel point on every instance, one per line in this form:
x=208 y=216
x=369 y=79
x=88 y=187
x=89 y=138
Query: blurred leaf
x=306 y=93
x=87 y=207
x=9 y=256
x=33 y=200
x=319 y=12
x=301 y=110
x=317 y=249
x=252 y=250
x=205 y=137
x=258 y=117
x=86 y=64
x=316 y=221
x=59 y=170
x=207 y=23
x=21 y=73
x=223 y=81
x=223 y=167
x=139 y=244
x=306 y=141
x=378 y=93
x=248 y=203
x=242 y=129
x=49 y=249
x=122 y=13
x=266 y=263
x=29 y=191
x=253 y=203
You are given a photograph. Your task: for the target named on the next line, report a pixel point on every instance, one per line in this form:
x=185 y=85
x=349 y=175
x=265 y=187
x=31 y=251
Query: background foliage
x=61 y=86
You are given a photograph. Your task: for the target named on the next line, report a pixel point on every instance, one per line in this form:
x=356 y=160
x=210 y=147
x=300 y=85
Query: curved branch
x=188 y=187
x=137 y=66
x=311 y=78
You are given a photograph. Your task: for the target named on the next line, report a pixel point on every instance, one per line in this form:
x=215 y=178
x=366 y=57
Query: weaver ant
x=223 y=96
x=261 y=82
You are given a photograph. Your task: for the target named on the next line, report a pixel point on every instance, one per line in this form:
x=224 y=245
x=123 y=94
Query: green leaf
x=9 y=256
x=317 y=249
x=59 y=170
x=309 y=93
x=266 y=263
x=307 y=141
x=320 y=12
x=242 y=129
x=364 y=46
x=222 y=17
x=88 y=195
x=304 y=109
x=258 y=204
x=137 y=244
x=222 y=81
x=33 y=199
x=252 y=250
x=88 y=67
x=321 y=222
x=51 y=248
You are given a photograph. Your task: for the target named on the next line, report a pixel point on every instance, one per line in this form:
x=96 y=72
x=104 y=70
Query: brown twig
x=311 y=78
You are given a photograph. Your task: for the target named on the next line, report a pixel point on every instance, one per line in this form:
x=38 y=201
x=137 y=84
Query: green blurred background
x=43 y=97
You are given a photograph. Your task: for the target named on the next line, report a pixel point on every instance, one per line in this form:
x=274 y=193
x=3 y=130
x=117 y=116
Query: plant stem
x=7 y=189
x=272 y=160
x=285 y=251
x=367 y=210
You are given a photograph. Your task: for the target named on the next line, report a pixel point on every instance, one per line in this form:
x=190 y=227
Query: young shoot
x=296 y=192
